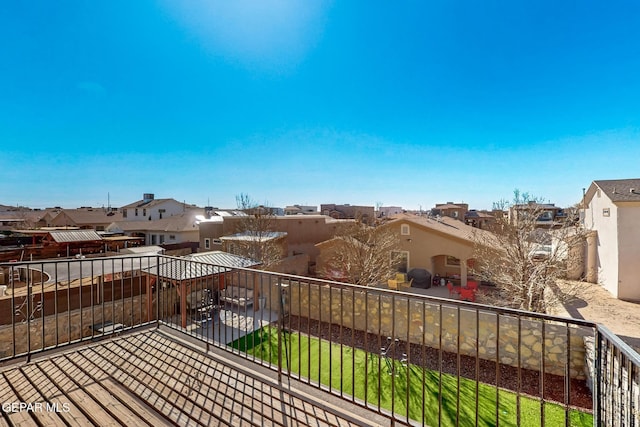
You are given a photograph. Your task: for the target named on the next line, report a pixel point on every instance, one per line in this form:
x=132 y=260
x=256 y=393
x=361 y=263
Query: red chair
x=467 y=294
x=453 y=289
x=472 y=284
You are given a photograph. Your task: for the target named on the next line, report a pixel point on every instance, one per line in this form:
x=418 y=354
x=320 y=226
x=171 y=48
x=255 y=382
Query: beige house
x=301 y=210
x=176 y=229
x=442 y=246
x=548 y=214
x=612 y=213
x=302 y=232
x=451 y=210
x=86 y=218
x=480 y=219
x=365 y=214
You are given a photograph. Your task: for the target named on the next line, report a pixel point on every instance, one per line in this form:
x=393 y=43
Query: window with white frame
x=207 y=243
x=404 y=229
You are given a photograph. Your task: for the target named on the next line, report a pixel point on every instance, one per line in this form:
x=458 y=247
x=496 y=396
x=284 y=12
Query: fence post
x=28 y=318
x=280 y=328
x=597 y=379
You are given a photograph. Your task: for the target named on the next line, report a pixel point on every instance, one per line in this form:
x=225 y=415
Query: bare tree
x=28 y=217
x=527 y=253
x=363 y=254
x=257 y=238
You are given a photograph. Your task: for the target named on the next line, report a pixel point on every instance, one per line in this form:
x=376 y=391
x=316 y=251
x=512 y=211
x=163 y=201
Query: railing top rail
x=7 y=264
x=433 y=299
x=625 y=348
x=164 y=259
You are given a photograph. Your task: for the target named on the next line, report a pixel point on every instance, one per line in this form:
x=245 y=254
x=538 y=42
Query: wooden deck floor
x=152 y=378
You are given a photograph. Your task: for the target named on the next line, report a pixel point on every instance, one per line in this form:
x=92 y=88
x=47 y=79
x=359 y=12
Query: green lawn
x=409 y=384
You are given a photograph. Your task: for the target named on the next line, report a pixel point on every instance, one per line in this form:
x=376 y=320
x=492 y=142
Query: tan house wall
x=455 y=213
x=427 y=248
x=303 y=232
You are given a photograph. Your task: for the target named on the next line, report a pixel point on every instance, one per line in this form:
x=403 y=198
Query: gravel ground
x=529 y=382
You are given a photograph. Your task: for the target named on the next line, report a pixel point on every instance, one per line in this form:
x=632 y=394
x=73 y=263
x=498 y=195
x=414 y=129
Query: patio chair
x=467 y=294
x=393 y=284
x=453 y=289
x=472 y=284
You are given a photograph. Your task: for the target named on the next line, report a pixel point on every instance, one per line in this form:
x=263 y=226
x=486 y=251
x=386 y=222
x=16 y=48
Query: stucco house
x=365 y=214
x=301 y=210
x=86 y=218
x=451 y=210
x=302 y=231
x=443 y=246
x=611 y=211
x=179 y=228
x=150 y=208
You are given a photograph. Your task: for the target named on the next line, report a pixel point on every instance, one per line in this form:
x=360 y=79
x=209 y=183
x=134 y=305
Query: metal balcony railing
x=414 y=359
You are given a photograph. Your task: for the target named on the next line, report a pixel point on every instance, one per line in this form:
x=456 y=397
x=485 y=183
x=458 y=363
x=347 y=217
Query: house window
x=161 y=211
x=172 y=237
x=153 y=239
x=454 y=214
x=451 y=261
x=136 y=211
x=606 y=212
x=124 y=213
x=404 y=229
x=402 y=258
x=207 y=243
x=161 y=238
x=144 y=212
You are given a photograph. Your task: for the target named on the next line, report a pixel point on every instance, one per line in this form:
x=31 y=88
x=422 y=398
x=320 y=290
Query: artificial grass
x=345 y=369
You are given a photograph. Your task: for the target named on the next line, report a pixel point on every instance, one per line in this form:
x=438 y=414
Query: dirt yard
x=597 y=304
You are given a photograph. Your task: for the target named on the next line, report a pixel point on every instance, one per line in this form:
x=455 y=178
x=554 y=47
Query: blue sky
x=401 y=103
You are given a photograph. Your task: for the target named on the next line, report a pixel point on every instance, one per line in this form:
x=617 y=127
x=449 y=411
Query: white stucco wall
x=629 y=251
x=171 y=207
x=607 y=240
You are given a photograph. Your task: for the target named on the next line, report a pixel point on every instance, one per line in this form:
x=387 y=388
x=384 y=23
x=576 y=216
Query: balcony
x=149 y=340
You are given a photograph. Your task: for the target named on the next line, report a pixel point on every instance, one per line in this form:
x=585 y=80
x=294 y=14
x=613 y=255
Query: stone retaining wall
x=488 y=334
